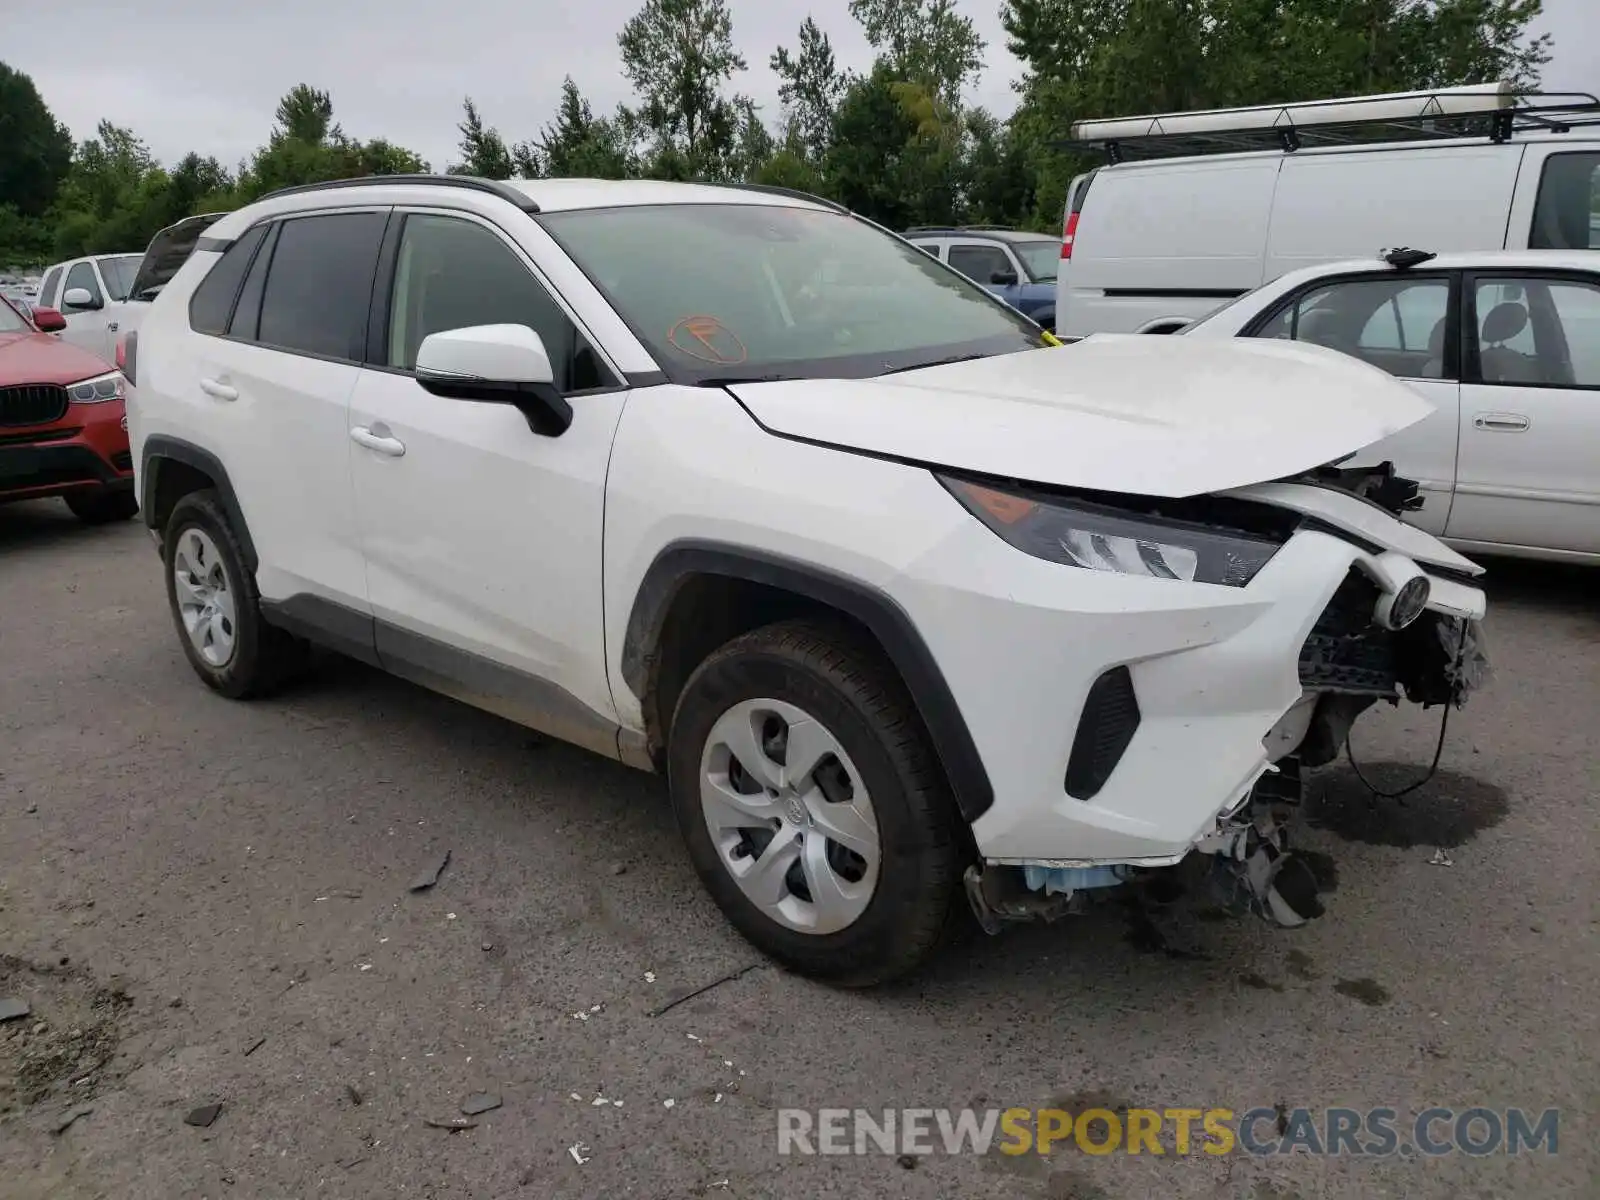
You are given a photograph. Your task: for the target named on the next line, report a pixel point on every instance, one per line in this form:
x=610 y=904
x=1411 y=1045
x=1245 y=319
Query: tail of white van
x=1195 y=209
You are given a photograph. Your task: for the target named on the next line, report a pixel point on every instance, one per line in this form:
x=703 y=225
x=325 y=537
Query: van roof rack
x=1496 y=111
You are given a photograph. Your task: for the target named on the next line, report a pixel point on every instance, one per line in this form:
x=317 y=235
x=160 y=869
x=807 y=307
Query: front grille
x=122 y=460
x=1347 y=650
x=32 y=404
x=1110 y=719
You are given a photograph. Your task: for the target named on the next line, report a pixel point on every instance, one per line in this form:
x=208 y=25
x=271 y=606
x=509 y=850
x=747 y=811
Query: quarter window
x=47 y=289
x=1397 y=325
x=454 y=274
x=212 y=303
x=319 y=285
x=82 y=276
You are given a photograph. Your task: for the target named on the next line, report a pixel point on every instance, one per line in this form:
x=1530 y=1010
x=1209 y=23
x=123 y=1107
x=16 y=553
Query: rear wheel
x=813 y=807
x=102 y=507
x=215 y=605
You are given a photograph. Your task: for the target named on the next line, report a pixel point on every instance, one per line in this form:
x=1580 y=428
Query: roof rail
x=494 y=187
x=772 y=189
x=1496 y=111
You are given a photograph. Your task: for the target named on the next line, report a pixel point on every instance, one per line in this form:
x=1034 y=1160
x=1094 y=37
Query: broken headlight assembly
x=1082 y=534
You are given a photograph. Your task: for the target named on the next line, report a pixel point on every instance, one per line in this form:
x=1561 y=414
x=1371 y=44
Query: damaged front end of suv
x=1396 y=629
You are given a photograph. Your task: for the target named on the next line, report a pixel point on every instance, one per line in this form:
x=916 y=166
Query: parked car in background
x=105 y=297
x=63 y=425
x=726 y=482
x=1014 y=264
x=1505 y=345
x=1198 y=208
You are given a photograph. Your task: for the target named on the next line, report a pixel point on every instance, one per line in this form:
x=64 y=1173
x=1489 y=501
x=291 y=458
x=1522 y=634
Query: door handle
x=112 y=326
x=378 y=439
x=1500 y=422
x=218 y=390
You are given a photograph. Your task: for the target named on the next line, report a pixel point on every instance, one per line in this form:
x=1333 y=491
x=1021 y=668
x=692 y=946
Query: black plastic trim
x=159 y=447
x=327 y=623
x=877 y=611
x=1106 y=727
x=212 y=245
x=472 y=182
x=1173 y=293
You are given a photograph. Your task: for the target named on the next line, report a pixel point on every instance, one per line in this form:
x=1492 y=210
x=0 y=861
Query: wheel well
x=173 y=481
x=708 y=611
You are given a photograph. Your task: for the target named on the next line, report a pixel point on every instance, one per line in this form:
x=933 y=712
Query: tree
x=810 y=90
x=307 y=146
x=926 y=42
x=35 y=148
x=679 y=55
x=483 y=150
x=305 y=114
x=580 y=144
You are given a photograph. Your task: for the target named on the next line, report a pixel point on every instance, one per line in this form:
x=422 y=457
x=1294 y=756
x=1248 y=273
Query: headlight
x=1079 y=534
x=97 y=390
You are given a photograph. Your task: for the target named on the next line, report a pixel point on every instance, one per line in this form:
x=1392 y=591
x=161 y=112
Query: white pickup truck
x=104 y=296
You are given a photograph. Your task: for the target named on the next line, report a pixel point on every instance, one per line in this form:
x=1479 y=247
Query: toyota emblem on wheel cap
x=797 y=811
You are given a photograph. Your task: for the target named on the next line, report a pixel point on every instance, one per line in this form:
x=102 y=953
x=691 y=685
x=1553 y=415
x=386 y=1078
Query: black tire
x=844 y=681
x=264 y=656
x=102 y=507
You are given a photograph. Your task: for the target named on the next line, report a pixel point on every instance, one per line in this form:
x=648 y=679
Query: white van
x=1196 y=209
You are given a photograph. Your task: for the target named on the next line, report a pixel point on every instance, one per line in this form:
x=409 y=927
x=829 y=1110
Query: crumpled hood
x=1140 y=414
x=40 y=358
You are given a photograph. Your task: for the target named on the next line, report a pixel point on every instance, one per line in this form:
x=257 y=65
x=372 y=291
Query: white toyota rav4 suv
x=730 y=484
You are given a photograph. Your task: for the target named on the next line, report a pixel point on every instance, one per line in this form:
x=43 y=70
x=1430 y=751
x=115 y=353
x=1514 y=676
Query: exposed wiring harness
x=1458 y=686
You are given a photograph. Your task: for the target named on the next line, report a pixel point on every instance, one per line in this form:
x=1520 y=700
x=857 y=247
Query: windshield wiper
x=730 y=380
x=938 y=362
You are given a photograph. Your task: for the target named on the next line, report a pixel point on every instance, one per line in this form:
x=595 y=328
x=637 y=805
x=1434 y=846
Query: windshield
x=10 y=319
x=1041 y=258
x=757 y=291
x=118 y=274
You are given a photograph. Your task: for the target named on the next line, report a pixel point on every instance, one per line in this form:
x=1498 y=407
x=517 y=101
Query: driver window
x=979 y=263
x=82 y=275
x=452 y=273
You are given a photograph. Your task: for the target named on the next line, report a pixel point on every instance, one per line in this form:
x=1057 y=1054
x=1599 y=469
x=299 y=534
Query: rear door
x=1529 y=470
x=1400 y=323
x=286 y=313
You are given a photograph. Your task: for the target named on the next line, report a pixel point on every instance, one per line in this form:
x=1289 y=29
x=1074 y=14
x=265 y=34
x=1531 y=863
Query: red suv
x=63 y=428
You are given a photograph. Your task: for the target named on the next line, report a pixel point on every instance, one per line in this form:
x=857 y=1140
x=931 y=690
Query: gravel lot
x=183 y=879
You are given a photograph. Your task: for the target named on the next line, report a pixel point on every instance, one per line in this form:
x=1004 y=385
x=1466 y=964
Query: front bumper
x=1214 y=674
x=87 y=449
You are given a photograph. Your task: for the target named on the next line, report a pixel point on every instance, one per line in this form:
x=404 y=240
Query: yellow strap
x=1050 y=339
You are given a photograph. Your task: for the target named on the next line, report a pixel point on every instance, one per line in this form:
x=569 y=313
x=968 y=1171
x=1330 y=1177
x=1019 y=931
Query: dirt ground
x=205 y=903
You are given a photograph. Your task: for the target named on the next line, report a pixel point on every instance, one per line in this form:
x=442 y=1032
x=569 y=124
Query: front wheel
x=813 y=807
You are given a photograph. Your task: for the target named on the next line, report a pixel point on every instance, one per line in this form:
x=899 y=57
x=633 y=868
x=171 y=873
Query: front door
x=1530 y=413
x=86 y=322
x=483 y=538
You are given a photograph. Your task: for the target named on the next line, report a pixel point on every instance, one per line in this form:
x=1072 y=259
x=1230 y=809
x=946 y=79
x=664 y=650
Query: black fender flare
x=160 y=448
x=882 y=616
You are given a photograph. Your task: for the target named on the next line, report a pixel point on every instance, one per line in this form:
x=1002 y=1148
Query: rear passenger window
x=212 y=302
x=1566 y=215
x=319 y=287
x=1397 y=325
x=247 y=312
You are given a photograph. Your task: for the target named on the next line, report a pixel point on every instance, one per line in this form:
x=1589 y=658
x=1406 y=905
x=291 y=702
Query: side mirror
x=79 y=298
x=496 y=364
x=48 y=320
x=1003 y=278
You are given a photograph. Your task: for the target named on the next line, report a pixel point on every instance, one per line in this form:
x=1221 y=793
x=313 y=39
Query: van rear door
x=1166 y=241
x=1337 y=204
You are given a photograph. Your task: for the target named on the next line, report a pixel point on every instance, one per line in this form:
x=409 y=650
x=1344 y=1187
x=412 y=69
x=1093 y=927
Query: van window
x=1397 y=324
x=1566 y=215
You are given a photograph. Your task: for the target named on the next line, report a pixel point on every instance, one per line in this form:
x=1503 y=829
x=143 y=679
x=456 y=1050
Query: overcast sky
x=199 y=75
